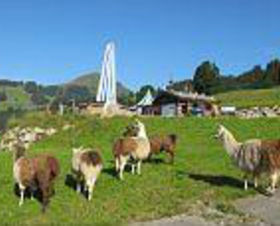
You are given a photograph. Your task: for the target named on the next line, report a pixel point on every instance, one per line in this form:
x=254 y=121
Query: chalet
x=175 y=103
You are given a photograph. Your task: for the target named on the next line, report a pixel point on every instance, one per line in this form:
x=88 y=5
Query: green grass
x=251 y=98
x=161 y=190
x=17 y=98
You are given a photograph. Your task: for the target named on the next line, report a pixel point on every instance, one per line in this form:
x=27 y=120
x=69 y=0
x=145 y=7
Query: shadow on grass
x=219 y=180
x=216 y=180
x=37 y=194
x=111 y=172
x=155 y=161
x=71 y=182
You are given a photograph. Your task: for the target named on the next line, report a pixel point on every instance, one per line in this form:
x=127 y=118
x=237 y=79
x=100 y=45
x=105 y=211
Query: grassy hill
x=17 y=98
x=202 y=171
x=250 y=98
x=91 y=80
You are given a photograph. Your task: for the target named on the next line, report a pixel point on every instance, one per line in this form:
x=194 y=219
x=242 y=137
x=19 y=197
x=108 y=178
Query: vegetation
x=251 y=98
x=15 y=98
x=143 y=90
x=82 y=89
x=201 y=171
x=208 y=79
x=90 y=82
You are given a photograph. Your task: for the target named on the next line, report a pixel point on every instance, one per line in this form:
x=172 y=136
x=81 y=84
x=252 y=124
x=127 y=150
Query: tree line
x=207 y=79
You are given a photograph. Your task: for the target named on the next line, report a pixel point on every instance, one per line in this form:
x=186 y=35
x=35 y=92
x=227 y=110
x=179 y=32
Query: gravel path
x=264 y=211
x=266 y=208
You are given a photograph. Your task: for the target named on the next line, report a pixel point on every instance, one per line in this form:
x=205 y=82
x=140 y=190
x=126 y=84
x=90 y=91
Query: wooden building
x=174 y=103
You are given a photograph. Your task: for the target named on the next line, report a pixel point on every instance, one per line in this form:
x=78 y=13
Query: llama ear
x=75 y=150
x=138 y=122
x=221 y=127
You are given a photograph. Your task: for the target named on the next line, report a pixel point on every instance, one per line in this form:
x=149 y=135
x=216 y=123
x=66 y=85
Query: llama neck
x=142 y=133
x=18 y=153
x=230 y=144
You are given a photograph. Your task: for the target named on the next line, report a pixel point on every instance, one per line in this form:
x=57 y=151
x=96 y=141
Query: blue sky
x=53 y=41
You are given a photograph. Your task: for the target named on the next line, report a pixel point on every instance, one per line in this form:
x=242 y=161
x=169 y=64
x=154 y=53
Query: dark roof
x=169 y=96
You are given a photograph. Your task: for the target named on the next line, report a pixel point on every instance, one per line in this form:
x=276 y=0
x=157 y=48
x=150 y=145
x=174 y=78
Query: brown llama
x=165 y=143
x=253 y=156
x=36 y=173
x=86 y=166
x=136 y=148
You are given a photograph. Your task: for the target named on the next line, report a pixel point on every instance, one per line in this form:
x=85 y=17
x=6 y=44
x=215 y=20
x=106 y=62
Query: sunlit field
x=201 y=171
x=251 y=98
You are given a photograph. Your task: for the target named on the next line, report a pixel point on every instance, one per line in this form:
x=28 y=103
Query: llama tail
x=54 y=166
x=173 y=138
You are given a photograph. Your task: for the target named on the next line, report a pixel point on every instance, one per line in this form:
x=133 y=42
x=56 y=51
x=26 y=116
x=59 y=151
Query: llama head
x=131 y=131
x=221 y=132
x=18 y=149
x=141 y=129
x=76 y=150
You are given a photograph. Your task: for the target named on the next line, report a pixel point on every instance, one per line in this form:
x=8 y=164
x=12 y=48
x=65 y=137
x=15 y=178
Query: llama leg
x=171 y=156
x=22 y=188
x=256 y=179
x=32 y=194
x=78 y=188
x=256 y=184
x=133 y=168
x=117 y=164
x=139 y=167
x=91 y=187
x=122 y=166
x=274 y=179
x=245 y=182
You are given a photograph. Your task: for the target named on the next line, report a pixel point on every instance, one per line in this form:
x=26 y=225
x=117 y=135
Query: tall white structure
x=107 y=88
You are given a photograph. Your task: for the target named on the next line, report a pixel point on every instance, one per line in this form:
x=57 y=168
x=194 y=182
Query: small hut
x=175 y=103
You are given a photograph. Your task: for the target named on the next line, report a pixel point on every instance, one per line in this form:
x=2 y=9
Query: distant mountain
x=91 y=80
x=27 y=95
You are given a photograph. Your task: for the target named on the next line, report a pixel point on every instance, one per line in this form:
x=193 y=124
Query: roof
x=146 y=100
x=172 y=95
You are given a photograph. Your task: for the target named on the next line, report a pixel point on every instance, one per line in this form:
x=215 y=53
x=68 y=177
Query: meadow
x=250 y=98
x=201 y=171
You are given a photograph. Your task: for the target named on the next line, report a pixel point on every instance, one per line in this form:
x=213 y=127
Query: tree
x=77 y=93
x=205 y=77
x=143 y=90
x=39 y=99
x=128 y=99
x=31 y=87
x=272 y=73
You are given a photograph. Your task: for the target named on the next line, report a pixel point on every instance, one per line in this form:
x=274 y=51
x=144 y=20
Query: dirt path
x=263 y=211
x=266 y=208
x=181 y=220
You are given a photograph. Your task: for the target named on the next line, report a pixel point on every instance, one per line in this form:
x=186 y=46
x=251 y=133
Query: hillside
x=16 y=98
x=90 y=80
x=250 y=98
x=25 y=95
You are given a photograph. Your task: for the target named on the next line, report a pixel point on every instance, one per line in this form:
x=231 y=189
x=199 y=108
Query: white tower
x=107 y=88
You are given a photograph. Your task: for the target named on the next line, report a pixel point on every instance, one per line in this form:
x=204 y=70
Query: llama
x=159 y=143
x=138 y=148
x=165 y=143
x=35 y=173
x=253 y=156
x=86 y=166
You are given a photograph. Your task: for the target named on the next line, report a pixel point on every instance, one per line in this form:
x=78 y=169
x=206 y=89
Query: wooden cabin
x=174 y=103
